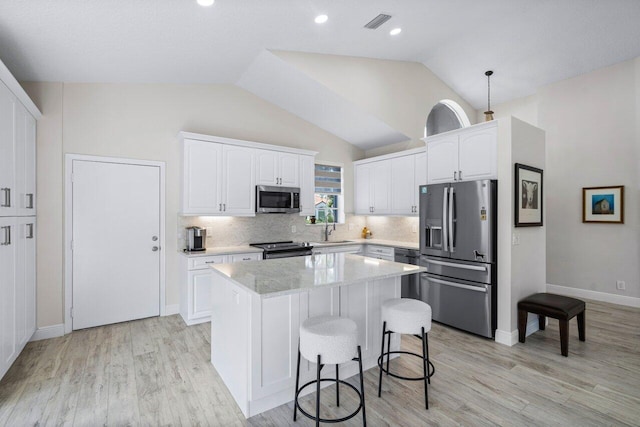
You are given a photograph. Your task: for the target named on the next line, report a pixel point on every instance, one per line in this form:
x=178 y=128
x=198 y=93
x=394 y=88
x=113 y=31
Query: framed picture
x=528 y=197
x=603 y=204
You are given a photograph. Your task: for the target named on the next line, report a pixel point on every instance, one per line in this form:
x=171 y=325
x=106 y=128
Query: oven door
x=277 y=199
x=287 y=254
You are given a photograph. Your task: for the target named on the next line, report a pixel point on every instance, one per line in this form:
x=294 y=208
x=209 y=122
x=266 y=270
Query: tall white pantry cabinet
x=17 y=219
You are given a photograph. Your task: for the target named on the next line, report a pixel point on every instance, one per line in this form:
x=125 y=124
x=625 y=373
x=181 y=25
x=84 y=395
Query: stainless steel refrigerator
x=458 y=246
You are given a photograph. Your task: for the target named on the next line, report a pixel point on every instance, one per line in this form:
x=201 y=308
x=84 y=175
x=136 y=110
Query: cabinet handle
x=30 y=204
x=219 y=207
x=224 y=207
x=7 y=198
x=455 y=175
x=246 y=259
x=460 y=175
x=210 y=262
x=7 y=235
x=30 y=235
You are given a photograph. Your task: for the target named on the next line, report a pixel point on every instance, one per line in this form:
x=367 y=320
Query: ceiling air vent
x=377 y=21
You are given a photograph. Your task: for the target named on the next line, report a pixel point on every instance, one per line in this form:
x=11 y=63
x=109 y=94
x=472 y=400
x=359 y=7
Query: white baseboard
x=506 y=337
x=172 y=309
x=47 y=332
x=594 y=295
x=511 y=338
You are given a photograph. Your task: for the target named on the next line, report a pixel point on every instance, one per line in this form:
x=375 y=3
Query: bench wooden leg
x=541 y=322
x=581 y=331
x=564 y=337
x=522 y=325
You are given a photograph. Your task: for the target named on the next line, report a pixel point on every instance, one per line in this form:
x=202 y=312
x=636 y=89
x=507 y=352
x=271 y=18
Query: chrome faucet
x=328 y=232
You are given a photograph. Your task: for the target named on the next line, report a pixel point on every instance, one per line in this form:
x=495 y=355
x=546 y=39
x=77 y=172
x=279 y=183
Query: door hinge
x=72 y=176
x=71 y=312
x=72 y=245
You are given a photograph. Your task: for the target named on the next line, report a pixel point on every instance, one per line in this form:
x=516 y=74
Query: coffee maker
x=196 y=239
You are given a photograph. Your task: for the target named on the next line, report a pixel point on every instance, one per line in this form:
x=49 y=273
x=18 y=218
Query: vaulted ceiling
x=527 y=43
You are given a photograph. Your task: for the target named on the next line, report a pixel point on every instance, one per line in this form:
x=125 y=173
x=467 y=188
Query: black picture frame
x=529 y=196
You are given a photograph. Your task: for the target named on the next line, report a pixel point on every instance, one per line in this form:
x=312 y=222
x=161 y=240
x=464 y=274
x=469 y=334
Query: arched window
x=446 y=115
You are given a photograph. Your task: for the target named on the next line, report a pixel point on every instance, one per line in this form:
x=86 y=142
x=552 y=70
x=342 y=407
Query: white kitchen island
x=258 y=306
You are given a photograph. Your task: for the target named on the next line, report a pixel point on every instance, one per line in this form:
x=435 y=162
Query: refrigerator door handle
x=451 y=230
x=445 y=231
x=463 y=266
x=455 y=285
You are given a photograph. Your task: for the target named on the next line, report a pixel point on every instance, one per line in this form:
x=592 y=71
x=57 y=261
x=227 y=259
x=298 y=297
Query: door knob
x=154 y=238
x=155 y=249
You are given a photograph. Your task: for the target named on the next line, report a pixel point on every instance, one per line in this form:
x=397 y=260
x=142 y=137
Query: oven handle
x=455 y=285
x=451 y=264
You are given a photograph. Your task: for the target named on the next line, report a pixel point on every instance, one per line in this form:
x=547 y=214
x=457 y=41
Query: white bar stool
x=406 y=316
x=329 y=340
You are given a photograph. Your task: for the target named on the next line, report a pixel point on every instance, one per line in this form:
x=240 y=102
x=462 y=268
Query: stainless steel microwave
x=271 y=199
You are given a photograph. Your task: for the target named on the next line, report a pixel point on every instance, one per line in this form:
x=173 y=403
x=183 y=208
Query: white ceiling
x=528 y=43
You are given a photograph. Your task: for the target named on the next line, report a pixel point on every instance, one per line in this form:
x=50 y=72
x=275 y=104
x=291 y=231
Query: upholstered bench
x=554 y=306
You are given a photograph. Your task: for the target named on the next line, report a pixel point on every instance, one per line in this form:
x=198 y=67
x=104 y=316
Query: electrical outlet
x=515 y=239
x=209 y=231
x=293 y=228
x=352 y=227
x=414 y=228
x=621 y=285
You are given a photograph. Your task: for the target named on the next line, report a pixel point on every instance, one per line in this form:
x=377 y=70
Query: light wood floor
x=156 y=372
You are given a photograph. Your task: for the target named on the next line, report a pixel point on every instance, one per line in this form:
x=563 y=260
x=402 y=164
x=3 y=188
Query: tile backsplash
x=235 y=231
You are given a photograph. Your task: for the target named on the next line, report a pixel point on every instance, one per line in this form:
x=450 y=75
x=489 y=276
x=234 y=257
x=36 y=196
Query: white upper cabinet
x=220 y=174
x=7 y=152
x=463 y=155
x=238 y=181
x=202 y=191
x=372 y=185
x=25 y=162
x=307 y=185
x=218 y=179
x=277 y=168
x=388 y=185
x=478 y=154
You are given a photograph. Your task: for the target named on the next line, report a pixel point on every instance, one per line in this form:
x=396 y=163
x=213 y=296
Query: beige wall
x=592 y=125
x=397 y=92
x=141 y=122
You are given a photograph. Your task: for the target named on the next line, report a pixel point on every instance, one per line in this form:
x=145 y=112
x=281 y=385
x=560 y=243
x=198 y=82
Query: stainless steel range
x=284 y=249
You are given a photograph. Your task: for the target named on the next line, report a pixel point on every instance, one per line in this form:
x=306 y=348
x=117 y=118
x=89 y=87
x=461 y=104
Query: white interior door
x=116 y=261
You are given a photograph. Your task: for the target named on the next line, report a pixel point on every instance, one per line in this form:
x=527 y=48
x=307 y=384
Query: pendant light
x=488 y=115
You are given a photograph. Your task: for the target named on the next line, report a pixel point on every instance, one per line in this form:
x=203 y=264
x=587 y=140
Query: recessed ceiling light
x=206 y=2
x=321 y=19
x=395 y=31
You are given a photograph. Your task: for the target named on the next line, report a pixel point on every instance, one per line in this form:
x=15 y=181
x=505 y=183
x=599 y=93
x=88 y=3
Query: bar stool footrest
x=432 y=369
x=328 y=420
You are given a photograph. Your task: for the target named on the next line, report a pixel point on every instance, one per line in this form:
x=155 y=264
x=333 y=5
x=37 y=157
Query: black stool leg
x=364 y=415
x=337 y=386
x=581 y=334
x=318 y=394
x=426 y=344
x=295 y=402
x=388 y=350
x=384 y=330
x=425 y=368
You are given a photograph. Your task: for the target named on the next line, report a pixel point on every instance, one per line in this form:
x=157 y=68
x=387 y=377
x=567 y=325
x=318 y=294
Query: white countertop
x=226 y=250
x=276 y=277
x=223 y=250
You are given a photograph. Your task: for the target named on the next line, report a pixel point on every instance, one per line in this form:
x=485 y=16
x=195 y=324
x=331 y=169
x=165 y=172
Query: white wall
x=399 y=93
x=592 y=125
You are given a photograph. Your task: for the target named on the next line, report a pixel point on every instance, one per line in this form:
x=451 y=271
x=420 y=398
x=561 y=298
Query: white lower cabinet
x=380 y=252
x=17 y=287
x=275 y=326
x=349 y=249
x=195 y=294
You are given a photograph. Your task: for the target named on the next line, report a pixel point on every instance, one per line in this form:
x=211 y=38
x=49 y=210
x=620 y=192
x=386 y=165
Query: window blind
x=328 y=179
